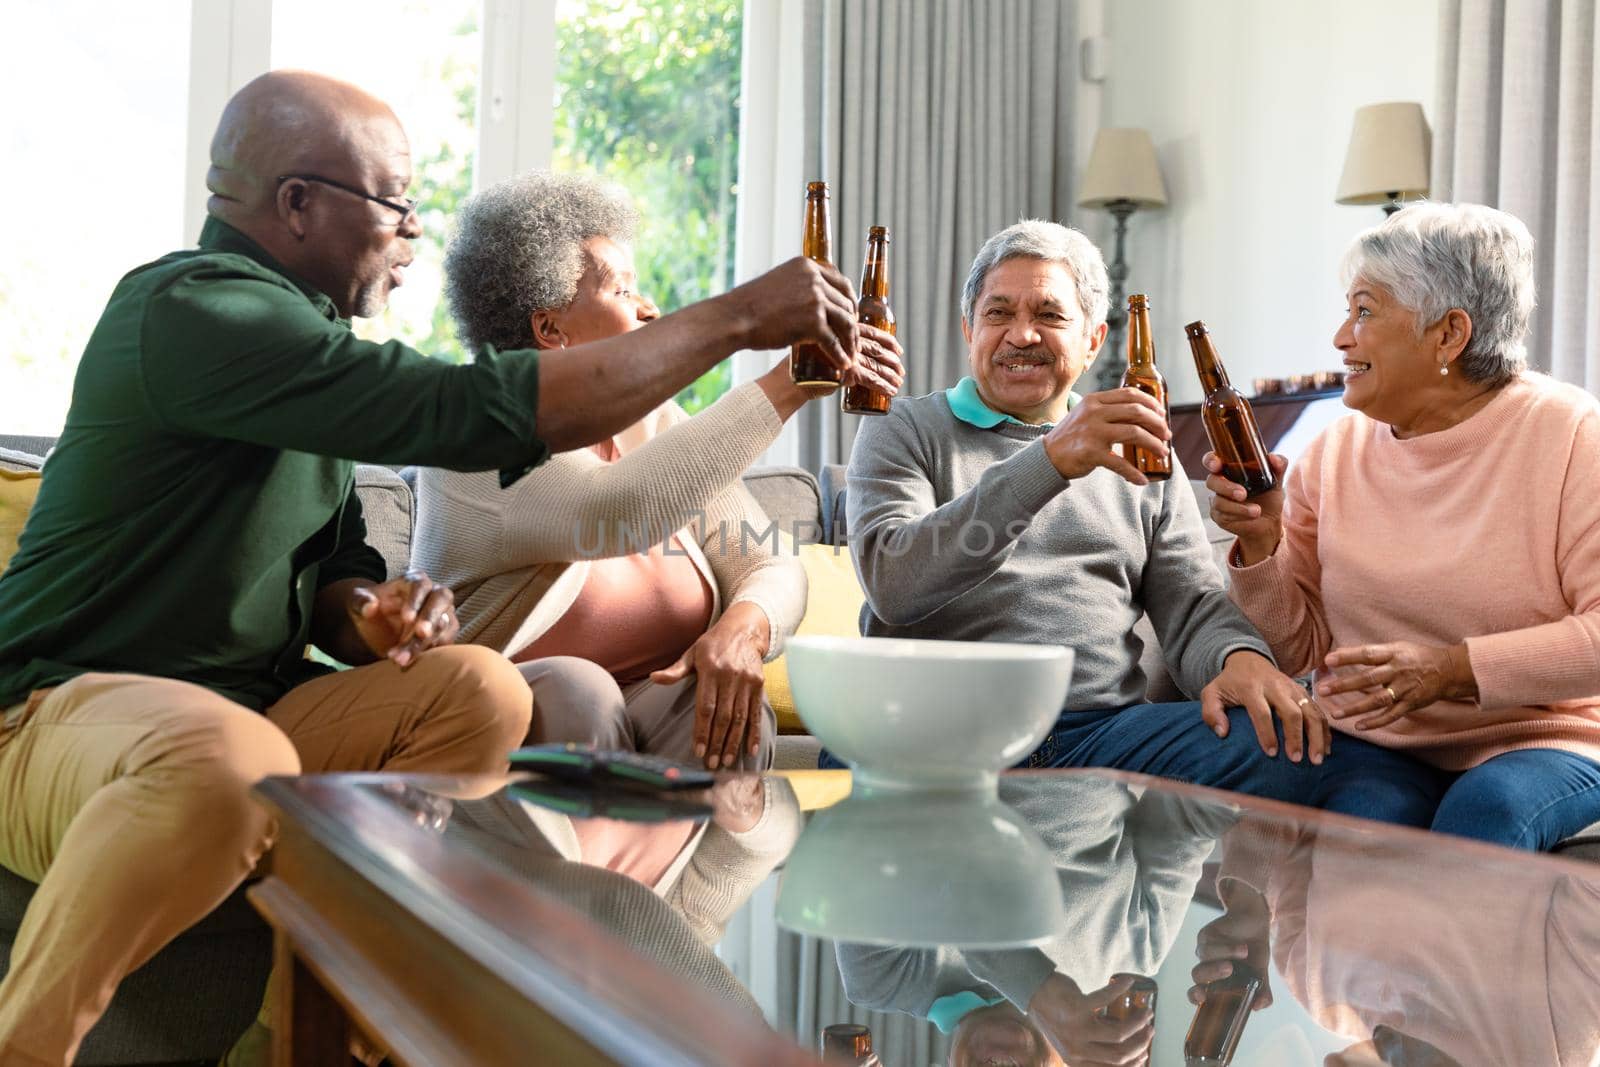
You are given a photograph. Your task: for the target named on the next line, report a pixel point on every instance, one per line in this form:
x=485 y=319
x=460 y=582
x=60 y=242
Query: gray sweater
x=961 y=533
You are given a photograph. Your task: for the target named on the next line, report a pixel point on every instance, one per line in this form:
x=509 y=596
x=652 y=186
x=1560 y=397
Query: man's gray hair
x=1434 y=257
x=1051 y=241
x=518 y=248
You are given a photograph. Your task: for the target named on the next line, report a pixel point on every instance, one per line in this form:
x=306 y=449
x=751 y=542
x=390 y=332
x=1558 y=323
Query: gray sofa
x=155 y=1018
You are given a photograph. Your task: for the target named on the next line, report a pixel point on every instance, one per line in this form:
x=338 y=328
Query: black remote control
x=572 y=762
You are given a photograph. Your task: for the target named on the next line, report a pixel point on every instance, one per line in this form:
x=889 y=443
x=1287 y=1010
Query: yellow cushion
x=817 y=789
x=833 y=610
x=17 y=490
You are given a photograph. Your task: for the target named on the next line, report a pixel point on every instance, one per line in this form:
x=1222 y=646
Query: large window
x=647 y=94
x=93 y=136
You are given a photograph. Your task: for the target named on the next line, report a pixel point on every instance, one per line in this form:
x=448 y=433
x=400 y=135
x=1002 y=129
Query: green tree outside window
x=647 y=95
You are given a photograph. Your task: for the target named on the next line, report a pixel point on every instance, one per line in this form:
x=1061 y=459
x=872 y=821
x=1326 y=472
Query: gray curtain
x=945 y=120
x=1516 y=129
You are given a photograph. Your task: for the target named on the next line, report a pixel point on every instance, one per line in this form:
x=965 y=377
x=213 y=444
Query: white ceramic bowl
x=913 y=713
x=920 y=870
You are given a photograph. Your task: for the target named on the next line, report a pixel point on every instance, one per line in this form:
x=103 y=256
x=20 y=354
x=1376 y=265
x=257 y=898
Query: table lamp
x=1123 y=176
x=1388 y=158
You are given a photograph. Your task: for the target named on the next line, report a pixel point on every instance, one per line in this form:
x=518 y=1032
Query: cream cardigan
x=517 y=558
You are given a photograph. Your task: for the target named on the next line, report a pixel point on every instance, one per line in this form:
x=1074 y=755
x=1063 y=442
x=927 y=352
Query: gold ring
x=1303 y=701
x=1392 y=698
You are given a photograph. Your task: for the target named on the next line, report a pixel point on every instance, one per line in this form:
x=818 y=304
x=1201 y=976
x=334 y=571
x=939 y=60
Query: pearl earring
x=1444 y=368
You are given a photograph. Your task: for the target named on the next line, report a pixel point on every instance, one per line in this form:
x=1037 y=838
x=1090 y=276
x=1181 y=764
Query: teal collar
x=968 y=406
x=948 y=1011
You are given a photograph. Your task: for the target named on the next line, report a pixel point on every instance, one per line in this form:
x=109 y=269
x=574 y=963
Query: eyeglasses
x=405 y=205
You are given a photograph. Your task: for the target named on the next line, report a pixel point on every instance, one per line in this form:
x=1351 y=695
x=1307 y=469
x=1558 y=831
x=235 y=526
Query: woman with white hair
x=1435 y=557
x=628 y=580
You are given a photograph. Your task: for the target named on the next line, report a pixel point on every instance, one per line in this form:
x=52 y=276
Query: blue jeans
x=1172 y=741
x=1531 y=799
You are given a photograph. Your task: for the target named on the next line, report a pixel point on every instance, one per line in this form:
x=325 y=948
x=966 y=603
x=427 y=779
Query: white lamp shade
x=1123 y=166
x=1389 y=155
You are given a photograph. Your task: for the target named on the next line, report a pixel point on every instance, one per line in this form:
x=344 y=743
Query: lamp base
x=1113 y=359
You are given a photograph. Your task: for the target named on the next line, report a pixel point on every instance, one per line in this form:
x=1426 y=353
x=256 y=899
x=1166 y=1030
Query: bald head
x=297 y=122
x=338 y=220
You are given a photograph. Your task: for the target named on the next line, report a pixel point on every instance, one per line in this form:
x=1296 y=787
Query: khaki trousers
x=127 y=798
x=578 y=700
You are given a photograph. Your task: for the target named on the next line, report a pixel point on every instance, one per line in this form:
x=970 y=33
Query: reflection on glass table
x=913 y=868
x=1257 y=934
x=1436 y=956
x=1325 y=941
x=1126 y=863
x=703 y=867
x=466 y=920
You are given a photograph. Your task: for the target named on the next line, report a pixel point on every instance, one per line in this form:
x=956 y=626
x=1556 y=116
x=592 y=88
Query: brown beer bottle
x=1143 y=376
x=873 y=309
x=848 y=1045
x=808 y=367
x=1219 y=1022
x=1229 y=422
x=1140 y=997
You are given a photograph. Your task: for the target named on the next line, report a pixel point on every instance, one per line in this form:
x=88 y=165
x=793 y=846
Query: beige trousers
x=577 y=700
x=127 y=798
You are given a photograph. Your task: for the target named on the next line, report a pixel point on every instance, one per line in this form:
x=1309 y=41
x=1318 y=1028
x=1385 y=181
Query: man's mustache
x=1031 y=355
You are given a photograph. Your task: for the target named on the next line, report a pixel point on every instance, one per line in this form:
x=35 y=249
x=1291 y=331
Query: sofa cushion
x=17 y=492
x=12 y=459
x=791 y=499
x=390 y=513
x=833 y=609
x=19 y=484
x=32 y=447
x=815 y=788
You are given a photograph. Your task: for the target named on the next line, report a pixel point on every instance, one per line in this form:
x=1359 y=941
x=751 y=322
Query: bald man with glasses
x=197 y=528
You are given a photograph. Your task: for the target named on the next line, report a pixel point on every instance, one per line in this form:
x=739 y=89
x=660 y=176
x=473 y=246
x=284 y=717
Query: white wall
x=1250 y=104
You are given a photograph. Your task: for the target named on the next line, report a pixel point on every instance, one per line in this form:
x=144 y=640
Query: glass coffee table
x=508 y=920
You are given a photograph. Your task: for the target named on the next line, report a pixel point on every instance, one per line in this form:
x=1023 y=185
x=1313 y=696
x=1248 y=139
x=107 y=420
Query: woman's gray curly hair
x=1433 y=257
x=518 y=248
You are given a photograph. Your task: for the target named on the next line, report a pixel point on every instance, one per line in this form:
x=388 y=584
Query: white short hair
x=1434 y=257
x=1054 y=243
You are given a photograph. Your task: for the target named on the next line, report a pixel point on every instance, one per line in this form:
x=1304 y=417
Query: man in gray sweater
x=998 y=510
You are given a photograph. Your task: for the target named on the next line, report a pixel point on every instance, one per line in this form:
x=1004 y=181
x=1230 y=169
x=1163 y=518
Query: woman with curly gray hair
x=628 y=580
x=1435 y=557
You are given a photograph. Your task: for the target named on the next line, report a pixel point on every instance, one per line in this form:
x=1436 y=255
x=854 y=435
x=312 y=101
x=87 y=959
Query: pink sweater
x=1488 y=532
